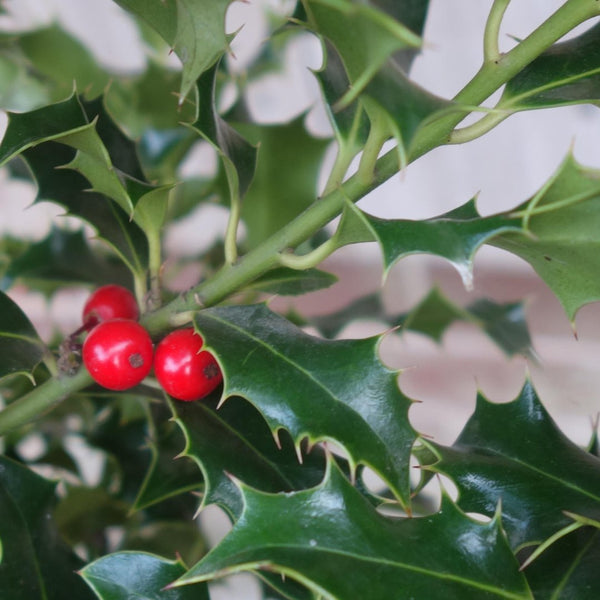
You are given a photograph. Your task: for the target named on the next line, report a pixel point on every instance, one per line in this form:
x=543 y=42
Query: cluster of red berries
x=118 y=352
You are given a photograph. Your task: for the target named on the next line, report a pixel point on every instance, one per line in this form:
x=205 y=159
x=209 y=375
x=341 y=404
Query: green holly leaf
x=21 y=349
x=51 y=122
x=290 y=282
x=313 y=388
x=369 y=47
x=332 y=540
x=69 y=189
x=279 y=588
x=567 y=73
x=568 y=569
x=104 y=156
x=140 y=449
x=168 y=475
x=433 y=315
x=63 y=257
x=195 y=30
x=120 y=148
x=150 y=210
x=559 y=238
x=85 y=127
x=235 y=441
x=125 y=575
x=96 y=154
x=555 y=231
x=289 y=160
x=35 y=563
x=455 y=236
x=364 y=36
x=237 y=155
x=514 y=453
x=401 y=105
x=96 y=167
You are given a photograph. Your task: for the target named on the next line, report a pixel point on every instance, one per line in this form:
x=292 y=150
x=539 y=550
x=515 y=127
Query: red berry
x=109 y=302
x=118 y=354
x=183 y=369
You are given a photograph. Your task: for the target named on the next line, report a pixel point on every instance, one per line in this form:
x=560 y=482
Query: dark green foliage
x=264 y=358
x=134 y=573
x=35 y=563
x=363 y=553
x=288 y=444
x=20 y=347
x=544 y=475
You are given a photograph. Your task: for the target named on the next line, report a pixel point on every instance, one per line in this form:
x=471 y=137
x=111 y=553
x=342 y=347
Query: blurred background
x=502 y=169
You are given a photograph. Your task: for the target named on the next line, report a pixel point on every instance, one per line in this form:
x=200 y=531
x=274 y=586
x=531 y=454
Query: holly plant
x=217 y=394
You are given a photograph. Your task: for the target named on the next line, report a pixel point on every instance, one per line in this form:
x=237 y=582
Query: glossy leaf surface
x=234 y=441
x=567 y=73
x=313 y=388
x=554 y=231
x=455 y=236
x=560 y=235
x=128 y=575
x=514 y=453
x=36 y=564
x=50 y=122
x=362 y=554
